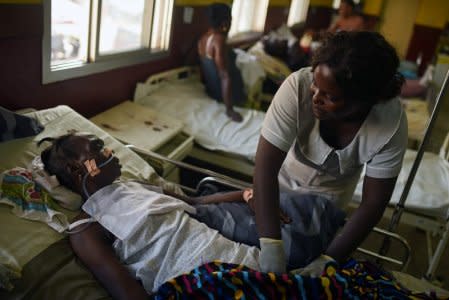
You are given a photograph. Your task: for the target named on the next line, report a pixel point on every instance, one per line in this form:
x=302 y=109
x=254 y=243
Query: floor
x=419 y=257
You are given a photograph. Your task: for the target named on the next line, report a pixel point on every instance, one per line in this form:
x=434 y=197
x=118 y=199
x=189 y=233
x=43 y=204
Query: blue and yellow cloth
x=355 y=280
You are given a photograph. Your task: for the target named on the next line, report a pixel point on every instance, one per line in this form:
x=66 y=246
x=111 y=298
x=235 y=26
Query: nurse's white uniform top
x=312 y=166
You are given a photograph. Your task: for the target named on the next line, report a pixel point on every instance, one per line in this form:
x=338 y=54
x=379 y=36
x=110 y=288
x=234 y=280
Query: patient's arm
x=94 y=248
x=234 y=196
x=375 y=197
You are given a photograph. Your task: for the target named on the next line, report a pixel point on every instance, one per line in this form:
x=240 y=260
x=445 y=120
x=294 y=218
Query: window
x=336 y=3
x=248 y=15
x=83 y=37
x=298 y=12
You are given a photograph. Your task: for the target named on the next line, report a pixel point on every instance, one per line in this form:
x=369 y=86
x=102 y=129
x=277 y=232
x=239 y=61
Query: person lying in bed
x=221 y=76
x=129 y=230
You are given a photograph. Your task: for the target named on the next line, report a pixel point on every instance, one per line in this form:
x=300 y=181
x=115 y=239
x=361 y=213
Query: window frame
x=336 y=3
x=234 y=30
x=97 y=63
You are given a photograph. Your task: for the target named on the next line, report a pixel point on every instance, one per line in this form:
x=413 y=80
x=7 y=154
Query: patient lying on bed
x=129 y=230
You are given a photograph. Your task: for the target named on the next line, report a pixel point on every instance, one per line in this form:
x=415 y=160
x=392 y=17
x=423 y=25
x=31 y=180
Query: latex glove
x=272 y=255
x=315 y=268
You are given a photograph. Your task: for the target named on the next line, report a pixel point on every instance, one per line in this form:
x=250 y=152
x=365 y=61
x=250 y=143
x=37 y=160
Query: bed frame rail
x=220 y=178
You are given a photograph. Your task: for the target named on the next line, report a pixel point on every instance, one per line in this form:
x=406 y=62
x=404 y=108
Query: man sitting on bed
x=130 y=231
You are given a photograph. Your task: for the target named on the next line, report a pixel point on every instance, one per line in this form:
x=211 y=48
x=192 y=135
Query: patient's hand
x=248 y=197
x=234 y=116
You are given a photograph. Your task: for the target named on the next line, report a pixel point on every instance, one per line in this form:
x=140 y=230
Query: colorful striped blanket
x=355 y=280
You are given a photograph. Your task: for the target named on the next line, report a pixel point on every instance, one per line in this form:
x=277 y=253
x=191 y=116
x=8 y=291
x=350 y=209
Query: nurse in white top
x=325 y=123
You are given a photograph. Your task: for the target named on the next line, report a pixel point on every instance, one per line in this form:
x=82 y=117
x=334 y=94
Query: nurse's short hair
x=363 y=63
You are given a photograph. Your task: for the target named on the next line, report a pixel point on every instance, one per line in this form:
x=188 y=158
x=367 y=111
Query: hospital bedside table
x=138 y=125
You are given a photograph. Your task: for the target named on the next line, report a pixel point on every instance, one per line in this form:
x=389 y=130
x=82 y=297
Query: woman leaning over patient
x=324 y=124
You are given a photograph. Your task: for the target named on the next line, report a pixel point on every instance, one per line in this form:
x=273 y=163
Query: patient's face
x=90 y=147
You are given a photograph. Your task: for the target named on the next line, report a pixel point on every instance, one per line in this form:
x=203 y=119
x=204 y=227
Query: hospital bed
x=228 y=145
x=421 y=194
x=427 y=205
x=220 y=142
x=42 y=258
x=37 y=257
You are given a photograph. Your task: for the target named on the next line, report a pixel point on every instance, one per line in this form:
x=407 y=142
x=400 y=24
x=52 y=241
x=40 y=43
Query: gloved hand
x=272 y=255
x=315 y=268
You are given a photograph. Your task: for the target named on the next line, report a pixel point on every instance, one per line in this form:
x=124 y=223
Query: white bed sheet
x=429 y=192
x=204 y=118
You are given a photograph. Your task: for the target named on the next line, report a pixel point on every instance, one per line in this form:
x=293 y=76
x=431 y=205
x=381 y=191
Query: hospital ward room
x=224 y=149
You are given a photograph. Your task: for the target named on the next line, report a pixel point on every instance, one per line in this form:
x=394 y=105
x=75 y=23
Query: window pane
x=69 y=27
x=298 y=11
x=121 y=25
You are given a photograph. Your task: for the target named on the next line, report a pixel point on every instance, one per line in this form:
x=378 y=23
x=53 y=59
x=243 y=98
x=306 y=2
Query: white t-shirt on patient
x=156 y=239
x=312 y=166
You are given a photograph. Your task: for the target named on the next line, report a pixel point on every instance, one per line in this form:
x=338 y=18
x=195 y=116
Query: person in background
x=221 y=76
x=347 y=19
x=325 y=123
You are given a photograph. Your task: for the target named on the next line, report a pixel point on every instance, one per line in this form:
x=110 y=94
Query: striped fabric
x=13 y=126
x=356 y=280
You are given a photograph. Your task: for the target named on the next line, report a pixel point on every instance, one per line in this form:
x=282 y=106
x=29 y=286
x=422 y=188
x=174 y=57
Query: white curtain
x=298 y=11
x=248 y=15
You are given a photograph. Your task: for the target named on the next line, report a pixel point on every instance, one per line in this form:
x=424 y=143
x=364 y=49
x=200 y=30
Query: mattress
x=203 y=117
